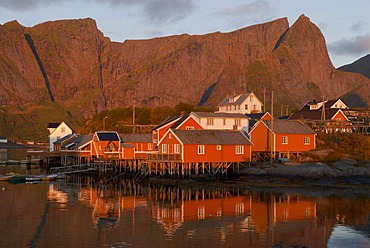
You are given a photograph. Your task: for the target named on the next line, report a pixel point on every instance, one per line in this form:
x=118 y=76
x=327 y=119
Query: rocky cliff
x=361 y=66
x=68 y=69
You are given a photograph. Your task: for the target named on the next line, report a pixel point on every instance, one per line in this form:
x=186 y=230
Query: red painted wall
x=295 y=143
x=261 y=136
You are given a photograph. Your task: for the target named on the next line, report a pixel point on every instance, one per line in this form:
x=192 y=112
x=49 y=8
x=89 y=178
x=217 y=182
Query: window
x=210 y=121
x=164 y=148
x=170 y=135
x=254 y=107
x=218 y=147
x=306 y=140
x=237 y=122
x=63 y=129
x=200 y=149
x=150 y=146
x=177 y=148
x=246 y=106
x=239 y=149
x=284 y=140
x=189 y=128
x=224 y=121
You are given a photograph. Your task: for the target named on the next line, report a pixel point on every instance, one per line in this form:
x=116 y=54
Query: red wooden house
x=183 y=122
x=212 y=146
x=106 y=144
x=141 y=142
x=282 y=137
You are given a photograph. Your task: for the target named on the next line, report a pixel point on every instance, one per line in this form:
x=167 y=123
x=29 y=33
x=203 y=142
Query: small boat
x=4 y=178
x=49 y=177
x=18 y=179
x=33 y=178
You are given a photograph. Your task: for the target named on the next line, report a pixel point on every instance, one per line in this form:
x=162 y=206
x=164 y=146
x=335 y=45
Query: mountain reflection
x=258 y=217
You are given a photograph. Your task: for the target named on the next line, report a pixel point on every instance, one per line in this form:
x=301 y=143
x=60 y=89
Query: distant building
x=57 y=131
x=240 y=104
x=3 y=140
x=221 y=121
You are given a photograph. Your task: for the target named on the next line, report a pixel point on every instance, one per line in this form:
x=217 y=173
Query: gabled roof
x=240 y=99
x=136 y=137
x=65 y=138
x=288 y=127
x=257 y=116
x=218 y=115
x=314 y=114
x=53 y=124
x=211 y=137
x=180 y=121
x=108 y=136
x=167 y=121
x=79 y=141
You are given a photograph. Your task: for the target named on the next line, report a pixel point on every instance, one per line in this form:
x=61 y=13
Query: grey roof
x=108 y=136
x=180 y=121
x=314 y=114
x=136 y=137
x=289 y=127
x=79 y=141
x=240 y=100
x=128 y=145
x=168 y=120
x=53 y=124
x=212 y=137
x=63 y=139
x=219 y=115
x=256 y=116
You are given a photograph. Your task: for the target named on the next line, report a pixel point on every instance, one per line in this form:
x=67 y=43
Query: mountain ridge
x=71 y=67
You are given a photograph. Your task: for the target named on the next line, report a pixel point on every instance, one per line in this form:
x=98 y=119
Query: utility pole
x=272 y=141
x=133 y=117
x=105 y=117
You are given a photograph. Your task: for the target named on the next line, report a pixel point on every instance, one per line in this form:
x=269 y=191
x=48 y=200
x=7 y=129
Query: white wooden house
x=57 y=131
x=241 y=104
x=221 y=121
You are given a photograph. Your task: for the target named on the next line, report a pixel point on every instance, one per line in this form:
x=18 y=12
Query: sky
x=345 y=24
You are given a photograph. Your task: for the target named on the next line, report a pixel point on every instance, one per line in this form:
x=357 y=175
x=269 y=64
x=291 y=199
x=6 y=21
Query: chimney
x=182 y=113
x=235 y=127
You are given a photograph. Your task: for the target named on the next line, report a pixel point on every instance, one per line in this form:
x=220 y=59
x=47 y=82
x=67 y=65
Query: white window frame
x=306 y=140
x=189 y=128
x=150 y=146
x=239 y=149
x=164 y=148
x=238 y=122
x=201 y=149
x=284 y=140
x=176 y=148
x=209 y=121
x=219 y=147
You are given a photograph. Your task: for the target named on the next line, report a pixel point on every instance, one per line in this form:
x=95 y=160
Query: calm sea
x=81 y=211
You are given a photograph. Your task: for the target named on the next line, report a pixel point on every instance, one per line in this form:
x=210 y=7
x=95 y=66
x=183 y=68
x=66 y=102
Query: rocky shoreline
x=343 y=173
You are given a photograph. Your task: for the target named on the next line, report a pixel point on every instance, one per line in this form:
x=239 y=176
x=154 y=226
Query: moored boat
x=49 y=177
x=18 y=179
x=4 y=178
x=33 y=178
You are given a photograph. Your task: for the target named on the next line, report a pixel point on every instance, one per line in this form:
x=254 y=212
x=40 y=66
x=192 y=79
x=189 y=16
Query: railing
x=164 y=157
x=73 y=168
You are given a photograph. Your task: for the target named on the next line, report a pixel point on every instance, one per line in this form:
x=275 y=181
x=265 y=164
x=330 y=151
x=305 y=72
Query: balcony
x=165 y=157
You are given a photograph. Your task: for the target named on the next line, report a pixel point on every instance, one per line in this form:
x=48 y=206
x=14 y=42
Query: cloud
x=22 y=5
x=358 y=26
x=355 y=46
x=168 y=10
x=153 y=10
x=256 y=10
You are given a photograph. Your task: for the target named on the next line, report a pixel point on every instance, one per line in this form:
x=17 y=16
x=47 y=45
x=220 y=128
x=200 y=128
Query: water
x=81 y=212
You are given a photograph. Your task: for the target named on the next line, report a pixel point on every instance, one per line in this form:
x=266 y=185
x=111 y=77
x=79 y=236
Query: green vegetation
x=121 y=119
x=342 y=145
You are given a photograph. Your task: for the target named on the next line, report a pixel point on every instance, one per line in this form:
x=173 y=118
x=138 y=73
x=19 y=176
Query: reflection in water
x=82 y=212
x=345 y=236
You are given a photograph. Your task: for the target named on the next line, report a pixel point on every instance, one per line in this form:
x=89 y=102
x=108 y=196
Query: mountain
x=361 y=66
x=68 y=70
